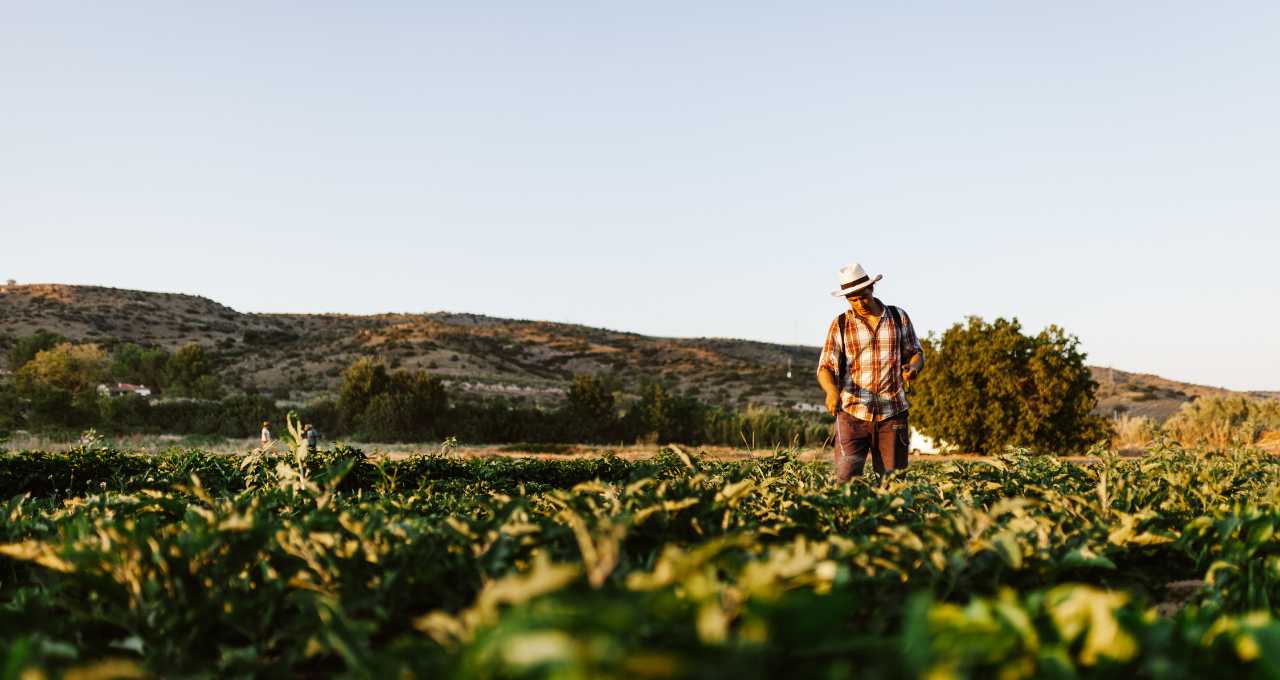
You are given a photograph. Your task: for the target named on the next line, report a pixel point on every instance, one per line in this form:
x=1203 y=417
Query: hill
x=1144 y=394
x=305 y=354
x=301 y=355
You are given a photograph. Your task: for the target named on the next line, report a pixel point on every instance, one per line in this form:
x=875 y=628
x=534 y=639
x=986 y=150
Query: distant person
x=313 y=438
x=266 y=433
x=870 y=354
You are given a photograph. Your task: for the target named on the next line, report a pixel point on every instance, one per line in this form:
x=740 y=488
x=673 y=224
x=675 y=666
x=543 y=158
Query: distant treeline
x=55 y=390
x=985 y=387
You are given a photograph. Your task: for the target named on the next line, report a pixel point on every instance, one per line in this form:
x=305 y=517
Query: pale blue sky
x=682 y=169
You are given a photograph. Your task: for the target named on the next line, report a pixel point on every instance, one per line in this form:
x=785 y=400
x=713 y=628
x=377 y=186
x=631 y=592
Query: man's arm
x=915 y=364
x=827 y=380
x=828 y=360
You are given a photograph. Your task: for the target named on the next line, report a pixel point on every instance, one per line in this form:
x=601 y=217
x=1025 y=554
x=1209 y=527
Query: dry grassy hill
x=305 y=354
x=1143 y=394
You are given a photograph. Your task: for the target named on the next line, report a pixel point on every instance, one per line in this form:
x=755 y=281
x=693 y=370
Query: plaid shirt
x=872 y=388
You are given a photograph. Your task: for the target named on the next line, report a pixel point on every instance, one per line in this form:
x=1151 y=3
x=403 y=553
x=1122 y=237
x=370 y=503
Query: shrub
x=1223 y=421
x=124 y=414
x=987 y=386
x=242 y=415
x=187 y=416
x=363 y=380
x=11 y=410
x=1133 y=432
x=590 y=413
x=671 y=417
x=53 y=408
x=390 y=406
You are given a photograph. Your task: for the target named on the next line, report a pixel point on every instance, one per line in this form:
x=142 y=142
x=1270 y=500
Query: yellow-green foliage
x=74 y=368
x=1223 y=421
x=676 y=567
x=1133 y=432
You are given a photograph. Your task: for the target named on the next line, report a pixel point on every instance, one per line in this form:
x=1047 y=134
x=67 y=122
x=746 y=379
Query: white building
x=121 y=389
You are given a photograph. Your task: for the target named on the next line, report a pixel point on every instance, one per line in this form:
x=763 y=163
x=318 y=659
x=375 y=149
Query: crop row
x=676 y=567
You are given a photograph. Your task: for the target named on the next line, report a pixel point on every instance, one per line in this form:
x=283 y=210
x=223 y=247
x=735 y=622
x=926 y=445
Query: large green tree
x=988 y=385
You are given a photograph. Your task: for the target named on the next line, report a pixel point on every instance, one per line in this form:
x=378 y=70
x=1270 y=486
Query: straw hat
x=854 y=278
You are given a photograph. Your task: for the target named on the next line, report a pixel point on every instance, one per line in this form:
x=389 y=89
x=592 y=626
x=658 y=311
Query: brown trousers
x=888 y=439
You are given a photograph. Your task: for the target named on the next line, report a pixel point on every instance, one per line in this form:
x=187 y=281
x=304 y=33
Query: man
x=313 y=437
x=266 y=433
x=870 y=354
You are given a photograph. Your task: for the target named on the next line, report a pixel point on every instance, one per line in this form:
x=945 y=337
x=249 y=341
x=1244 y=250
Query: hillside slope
x=305 y=354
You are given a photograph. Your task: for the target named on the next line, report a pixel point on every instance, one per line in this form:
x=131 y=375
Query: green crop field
x=190 y=564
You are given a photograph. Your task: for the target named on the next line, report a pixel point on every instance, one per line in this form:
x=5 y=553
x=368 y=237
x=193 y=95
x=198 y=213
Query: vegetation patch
x=334 y=563
x=538 y=448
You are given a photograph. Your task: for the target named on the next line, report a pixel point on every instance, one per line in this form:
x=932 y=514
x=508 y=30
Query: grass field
x=191 y=563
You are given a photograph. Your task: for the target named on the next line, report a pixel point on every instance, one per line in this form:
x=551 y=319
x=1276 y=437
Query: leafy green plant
x=298 y=563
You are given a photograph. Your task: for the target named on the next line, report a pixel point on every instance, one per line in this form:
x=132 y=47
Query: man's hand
x=827 y=380
x=912 y=370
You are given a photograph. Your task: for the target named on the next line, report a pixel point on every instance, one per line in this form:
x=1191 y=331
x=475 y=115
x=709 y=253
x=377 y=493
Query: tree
x=410 y=409
x=987 y=386
x=391 y=406
x=26 y=349
x=362 y=381
x=589 y=412
x=671 y=417
x=75 y=369
x=132 y=363
x=189 y=372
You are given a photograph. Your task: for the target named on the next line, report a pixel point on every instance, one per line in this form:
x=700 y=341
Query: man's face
x=860 y=301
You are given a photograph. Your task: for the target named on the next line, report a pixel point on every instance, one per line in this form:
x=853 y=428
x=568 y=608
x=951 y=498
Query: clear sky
x=669 y=168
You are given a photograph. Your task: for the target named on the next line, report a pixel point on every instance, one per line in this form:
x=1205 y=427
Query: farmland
x=187 y=563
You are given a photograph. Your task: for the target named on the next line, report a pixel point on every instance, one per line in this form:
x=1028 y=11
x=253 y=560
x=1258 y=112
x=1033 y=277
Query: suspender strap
x=896 y=315
x=844 y=350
